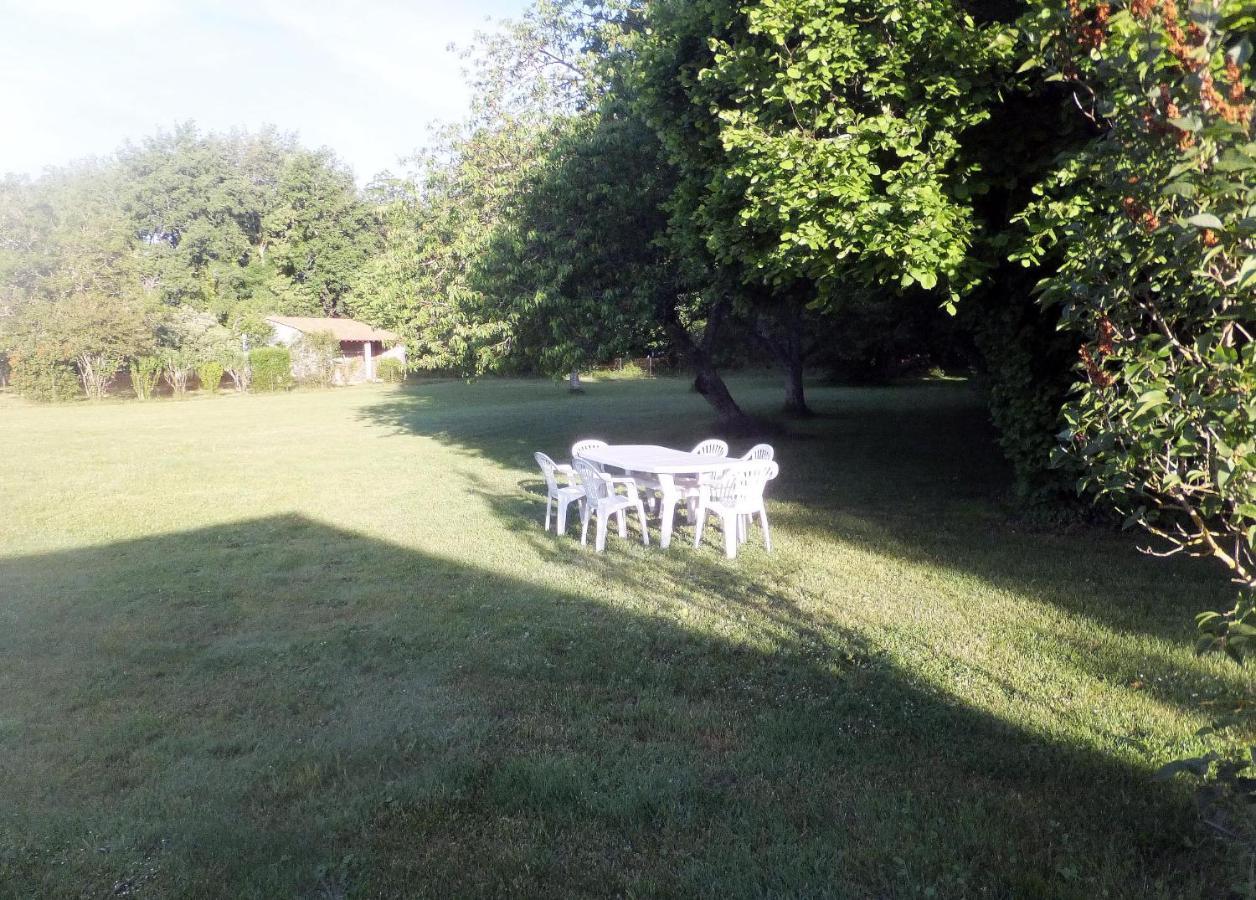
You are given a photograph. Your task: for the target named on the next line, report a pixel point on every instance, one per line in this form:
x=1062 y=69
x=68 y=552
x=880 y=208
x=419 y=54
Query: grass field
x=318 y=645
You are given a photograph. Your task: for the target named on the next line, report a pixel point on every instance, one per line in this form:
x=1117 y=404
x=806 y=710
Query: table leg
x=668 y=503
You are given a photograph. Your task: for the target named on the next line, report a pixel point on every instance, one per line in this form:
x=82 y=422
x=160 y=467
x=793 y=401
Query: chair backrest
x=761 y=452
x=594 y=482
x=742 y=485
x=547 y=469
x=579 y=447
x=711 y=447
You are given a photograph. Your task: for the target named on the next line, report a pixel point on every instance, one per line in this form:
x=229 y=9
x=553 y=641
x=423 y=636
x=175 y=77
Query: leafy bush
x=391 y=370
x=314 y=358
x=1026 y=365
x=210 y=374
x=44 y=380
x=145 y=373
x=272 y=368
x=1153 y=222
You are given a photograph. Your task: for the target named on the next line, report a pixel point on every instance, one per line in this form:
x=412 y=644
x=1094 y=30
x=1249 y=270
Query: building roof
x=341 y=329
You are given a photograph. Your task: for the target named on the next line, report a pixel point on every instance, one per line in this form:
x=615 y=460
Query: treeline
x=165 y=257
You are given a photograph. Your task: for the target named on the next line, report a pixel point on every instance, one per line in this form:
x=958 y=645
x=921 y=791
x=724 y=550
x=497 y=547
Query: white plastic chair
x=690 y=484
x=762 y=452
x=577 y=453
x=601 y=500
x=734 y=494
x=711 y=447
x=558 y=495
x=579 y=447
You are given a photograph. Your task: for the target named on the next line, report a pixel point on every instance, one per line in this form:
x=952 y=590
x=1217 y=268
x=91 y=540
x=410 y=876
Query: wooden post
x=367 y=366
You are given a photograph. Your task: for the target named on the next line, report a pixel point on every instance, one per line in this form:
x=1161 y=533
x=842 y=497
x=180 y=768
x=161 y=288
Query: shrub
x=314 y=358
x=44 y=380
x=272 y=368
x=391 y=370
x=145 y=373
x=210 y=374
x=1153 y=227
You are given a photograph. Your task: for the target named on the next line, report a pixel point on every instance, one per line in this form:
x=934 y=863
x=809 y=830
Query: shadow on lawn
x=278 y=707
x=911 y=473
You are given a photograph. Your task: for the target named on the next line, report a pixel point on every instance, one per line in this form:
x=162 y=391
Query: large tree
x=818 y=147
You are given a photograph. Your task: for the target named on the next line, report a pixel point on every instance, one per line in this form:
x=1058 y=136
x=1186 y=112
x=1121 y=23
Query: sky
x=367 y=79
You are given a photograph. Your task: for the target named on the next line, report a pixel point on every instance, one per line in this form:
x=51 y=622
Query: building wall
x=284 y=334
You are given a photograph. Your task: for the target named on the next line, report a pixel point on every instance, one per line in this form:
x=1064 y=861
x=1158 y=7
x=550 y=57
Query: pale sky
x=78 y=77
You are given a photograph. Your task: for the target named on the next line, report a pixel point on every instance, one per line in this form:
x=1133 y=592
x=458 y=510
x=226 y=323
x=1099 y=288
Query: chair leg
x=763 y=523
x=600 y=544
x=645 y=534
x=584 y=530
x=623 y=523
x=730 y=535
x=561 y=524
x=549 y=501
x=698 y=524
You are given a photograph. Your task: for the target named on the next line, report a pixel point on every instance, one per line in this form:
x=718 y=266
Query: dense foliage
x=271 y=368
x=1155 y=222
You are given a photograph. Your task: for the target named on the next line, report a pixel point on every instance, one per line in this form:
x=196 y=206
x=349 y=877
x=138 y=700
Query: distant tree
x=178 y=367
x=320 y=232
x=574 y=266
x=434 y=229
x=527 y=78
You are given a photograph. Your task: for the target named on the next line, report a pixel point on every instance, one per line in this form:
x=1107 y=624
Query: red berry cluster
x=1136 y=212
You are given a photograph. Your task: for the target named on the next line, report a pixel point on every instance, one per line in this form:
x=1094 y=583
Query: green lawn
x=318 y=645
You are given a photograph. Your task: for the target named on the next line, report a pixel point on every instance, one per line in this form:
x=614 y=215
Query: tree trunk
x=707 y=380
x=793 y=360
x=787 y=348
x=795 y=396
x=711 y=386
x=573 y=382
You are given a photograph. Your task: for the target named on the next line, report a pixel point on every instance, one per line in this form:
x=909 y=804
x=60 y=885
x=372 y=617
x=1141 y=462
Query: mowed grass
x=317 y=645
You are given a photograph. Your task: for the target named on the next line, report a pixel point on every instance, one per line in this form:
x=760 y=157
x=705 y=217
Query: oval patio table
x=664 y=464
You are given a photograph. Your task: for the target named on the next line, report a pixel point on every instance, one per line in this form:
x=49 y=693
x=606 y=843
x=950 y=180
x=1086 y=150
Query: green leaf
x=1247 y=271
x=1153 y=399
x=1204 y=220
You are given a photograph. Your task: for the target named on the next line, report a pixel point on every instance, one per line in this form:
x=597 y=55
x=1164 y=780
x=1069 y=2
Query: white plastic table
x=664 y=464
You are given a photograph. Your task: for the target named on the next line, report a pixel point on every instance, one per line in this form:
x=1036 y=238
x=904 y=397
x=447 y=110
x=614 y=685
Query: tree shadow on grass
x=911 y=473
x=277 y=707
x=1159 y=667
